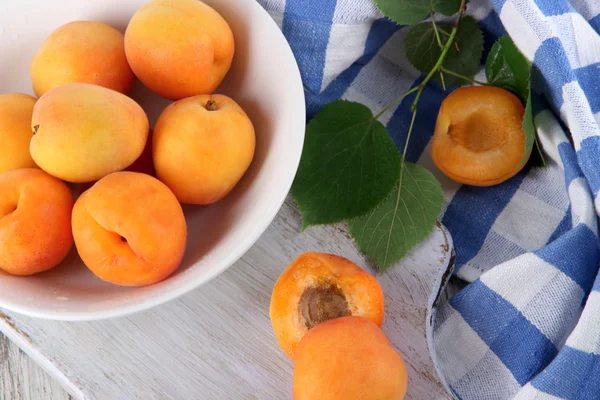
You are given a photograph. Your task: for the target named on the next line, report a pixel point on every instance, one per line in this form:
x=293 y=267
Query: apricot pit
x=319 y=287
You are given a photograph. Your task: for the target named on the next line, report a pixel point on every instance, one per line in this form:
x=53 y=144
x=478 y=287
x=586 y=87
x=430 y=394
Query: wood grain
x=217 y=342
x=22 y=379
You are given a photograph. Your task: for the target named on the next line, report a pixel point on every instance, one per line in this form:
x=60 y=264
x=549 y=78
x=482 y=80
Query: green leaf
x=528 y=128
x=423 y=51
x=405 y=12
x=409 y=214
x=446 y=7
x=410 y=12
x=507 y=67
x=349 y=164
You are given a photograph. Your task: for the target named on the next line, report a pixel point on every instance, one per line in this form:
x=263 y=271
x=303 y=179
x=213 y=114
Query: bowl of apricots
x=146 y=145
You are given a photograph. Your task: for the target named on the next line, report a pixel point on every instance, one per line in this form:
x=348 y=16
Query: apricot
x=202 y=146
x=129 y=229
x=317 y=287
x=84 y=52
x=479 y=138
x=35 y=221
x=83 y=132
x=348 y=358
x=179 y=48
x=145 y=162
x=15 y=131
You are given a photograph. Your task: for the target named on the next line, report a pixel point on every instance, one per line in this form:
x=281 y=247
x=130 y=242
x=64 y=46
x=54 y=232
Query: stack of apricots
x=326 y=314
x=83 y=131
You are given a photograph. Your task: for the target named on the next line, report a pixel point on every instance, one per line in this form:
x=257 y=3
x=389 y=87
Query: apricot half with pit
x=348 y=358
x=317 y=287
x=479 y=138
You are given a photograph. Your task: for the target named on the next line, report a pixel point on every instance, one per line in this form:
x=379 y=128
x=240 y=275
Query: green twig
x=466 y=78
x=442 y=30
x=397 y=100
x=440 y=62
x=410 y=128
x=435 y=29
x=442 y=80
x=539 y=150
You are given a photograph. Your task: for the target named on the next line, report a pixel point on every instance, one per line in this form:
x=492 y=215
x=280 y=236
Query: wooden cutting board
x=217 y=343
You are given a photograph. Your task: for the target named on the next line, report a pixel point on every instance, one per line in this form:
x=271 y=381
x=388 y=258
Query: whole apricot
x=129 y=229
x=345 y=359
x=317 y=287
x=179 y=48
x=83 y=52
x=15 y=131
x=83 y=132
x=479 y=138
x=202 y=146
x=35 y=221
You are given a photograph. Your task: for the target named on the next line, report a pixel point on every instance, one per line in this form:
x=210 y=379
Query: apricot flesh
x=129 y=229
x=35 y=221
x=479 y=138
x=179 y=48
x=348 y=358
x=202 y=146
x=16 y=110
x=84 y=52
x=83 y=132
x=317 y=287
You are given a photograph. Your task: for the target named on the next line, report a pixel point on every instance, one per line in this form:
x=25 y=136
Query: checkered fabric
x=528 y=324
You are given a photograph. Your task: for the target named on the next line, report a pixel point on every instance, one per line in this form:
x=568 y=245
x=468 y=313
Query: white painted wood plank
x=22 y=378
x=217 y=342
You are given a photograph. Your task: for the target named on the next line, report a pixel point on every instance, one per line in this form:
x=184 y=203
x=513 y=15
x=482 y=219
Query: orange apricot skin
x=84 y=132
x=35 y=221
x=200 y=154
x=16 y=110
x=479 y=138
x=83 y=52
x=129 y=229
x=363 y=292
x=348 y=358
x=179 y=48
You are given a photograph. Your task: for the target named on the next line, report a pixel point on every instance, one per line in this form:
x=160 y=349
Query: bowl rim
x=294 y=80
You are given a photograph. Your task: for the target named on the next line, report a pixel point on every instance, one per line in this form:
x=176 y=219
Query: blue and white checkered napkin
x=528 y=326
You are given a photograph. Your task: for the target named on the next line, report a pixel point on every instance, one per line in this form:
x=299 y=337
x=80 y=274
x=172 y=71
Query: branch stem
x=440 y=61
x=466 y=78
x=396 y=100
x=435 y=29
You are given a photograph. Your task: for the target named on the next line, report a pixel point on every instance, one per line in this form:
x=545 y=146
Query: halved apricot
x=348 y=358
x=479 y=138
x=317 y=287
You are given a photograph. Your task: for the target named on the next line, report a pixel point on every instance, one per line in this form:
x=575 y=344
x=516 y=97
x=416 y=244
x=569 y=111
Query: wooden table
x=216 y=342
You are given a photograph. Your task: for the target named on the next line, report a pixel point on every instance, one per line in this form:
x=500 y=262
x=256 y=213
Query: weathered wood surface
x=217 y=342
x=22 y=379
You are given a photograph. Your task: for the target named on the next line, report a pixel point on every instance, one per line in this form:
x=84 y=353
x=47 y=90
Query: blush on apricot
x=129 y=229
x=82 y=52
x=348 y=358
x=179 y=48
x=479 y=138
x=317 y=287
x=35 y=221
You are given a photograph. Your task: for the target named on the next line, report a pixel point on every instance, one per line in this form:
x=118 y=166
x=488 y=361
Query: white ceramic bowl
x=264 y=79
